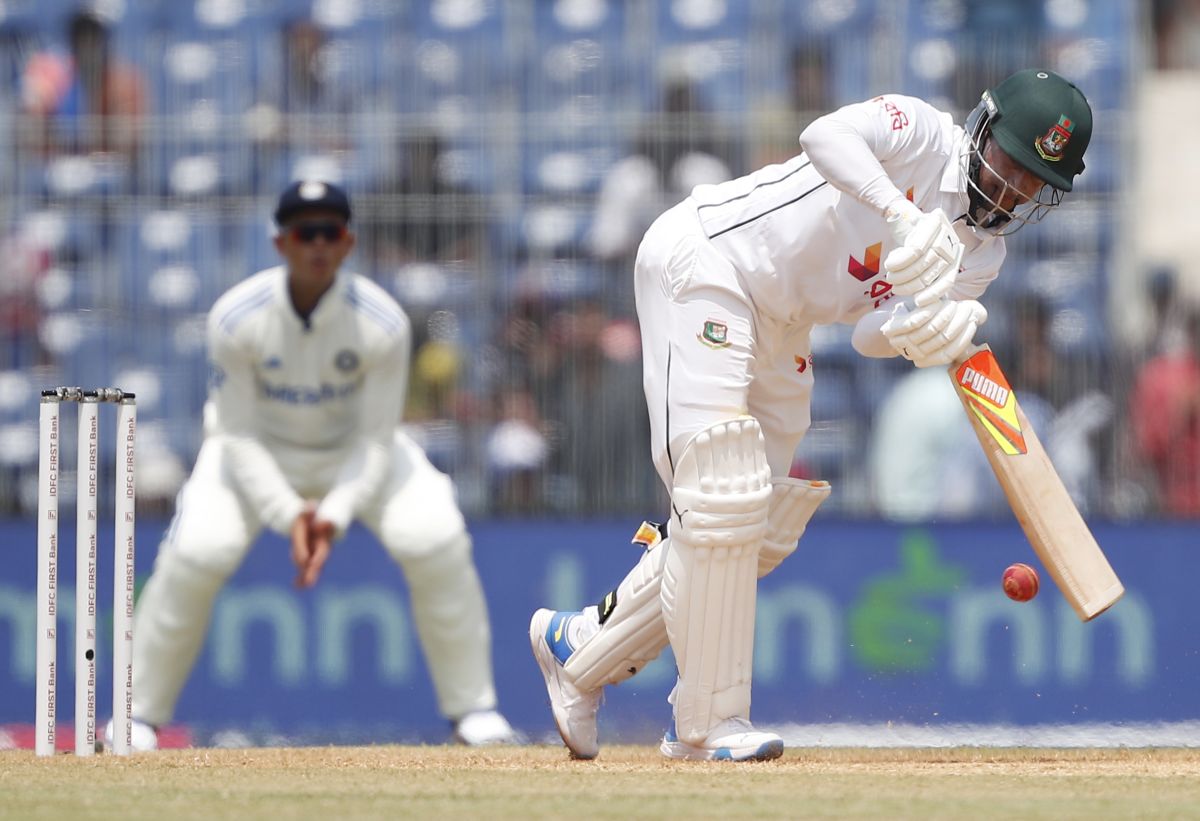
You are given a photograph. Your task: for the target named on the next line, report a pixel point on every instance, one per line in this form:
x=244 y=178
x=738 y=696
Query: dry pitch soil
x=626 y=782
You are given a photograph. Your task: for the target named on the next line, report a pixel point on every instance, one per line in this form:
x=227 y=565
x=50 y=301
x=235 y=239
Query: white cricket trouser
x=761 y=368
x=416 y=518
x=708 y=357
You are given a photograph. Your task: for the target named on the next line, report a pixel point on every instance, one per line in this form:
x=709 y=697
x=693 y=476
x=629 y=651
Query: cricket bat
x=1035 y=492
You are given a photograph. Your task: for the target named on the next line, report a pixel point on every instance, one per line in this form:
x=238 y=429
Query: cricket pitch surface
x=443 y=782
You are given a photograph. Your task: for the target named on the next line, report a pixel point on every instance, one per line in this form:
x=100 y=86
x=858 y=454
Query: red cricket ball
x=1020 y=582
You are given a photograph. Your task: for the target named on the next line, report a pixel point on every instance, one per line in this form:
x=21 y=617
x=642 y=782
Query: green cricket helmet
x=1044 y=123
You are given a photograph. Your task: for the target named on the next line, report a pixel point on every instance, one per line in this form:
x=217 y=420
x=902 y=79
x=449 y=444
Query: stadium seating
x=535 y=99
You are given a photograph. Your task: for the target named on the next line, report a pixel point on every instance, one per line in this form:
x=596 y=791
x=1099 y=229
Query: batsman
x=729 y=284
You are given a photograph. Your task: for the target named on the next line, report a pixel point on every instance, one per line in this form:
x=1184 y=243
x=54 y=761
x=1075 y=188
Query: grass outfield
x=626 y=782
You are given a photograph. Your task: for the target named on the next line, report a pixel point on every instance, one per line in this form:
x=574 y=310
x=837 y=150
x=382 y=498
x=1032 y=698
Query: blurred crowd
x=504 y=158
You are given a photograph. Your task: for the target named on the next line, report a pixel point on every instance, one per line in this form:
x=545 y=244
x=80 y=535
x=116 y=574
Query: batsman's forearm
x=359 y=480
x=868 y=338
x=367 y=466
x=840 y=152
x=262 y=483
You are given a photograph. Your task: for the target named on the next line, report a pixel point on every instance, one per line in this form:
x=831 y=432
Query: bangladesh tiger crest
x=1051 y=144
x=715 y=334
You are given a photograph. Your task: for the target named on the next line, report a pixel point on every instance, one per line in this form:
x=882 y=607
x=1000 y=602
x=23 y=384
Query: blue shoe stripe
x=556 y=635
x=767 y=750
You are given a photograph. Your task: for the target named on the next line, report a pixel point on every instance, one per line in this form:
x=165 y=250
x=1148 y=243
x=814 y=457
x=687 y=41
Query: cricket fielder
x=309 y=369
x=729 y=285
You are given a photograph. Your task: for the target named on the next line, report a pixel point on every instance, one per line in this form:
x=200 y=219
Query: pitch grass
x=626 y=782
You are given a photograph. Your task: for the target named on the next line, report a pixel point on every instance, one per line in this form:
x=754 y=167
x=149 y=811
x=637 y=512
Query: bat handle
x=967 y=354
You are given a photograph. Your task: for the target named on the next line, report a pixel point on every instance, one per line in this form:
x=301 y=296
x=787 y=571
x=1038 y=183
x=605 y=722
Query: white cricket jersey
x=288 y=391
x=808 y=236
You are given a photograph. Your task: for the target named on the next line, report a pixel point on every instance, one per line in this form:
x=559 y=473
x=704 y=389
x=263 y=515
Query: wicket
x=86 y=568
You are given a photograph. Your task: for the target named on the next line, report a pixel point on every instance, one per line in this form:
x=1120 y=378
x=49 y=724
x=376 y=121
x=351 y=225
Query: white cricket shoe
x=734 y=739
x=484 y=727
x=144 y=738
x=574 y=709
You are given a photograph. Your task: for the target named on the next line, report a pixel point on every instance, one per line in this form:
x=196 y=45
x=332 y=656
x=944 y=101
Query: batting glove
x=928 y=256
x=936 y=334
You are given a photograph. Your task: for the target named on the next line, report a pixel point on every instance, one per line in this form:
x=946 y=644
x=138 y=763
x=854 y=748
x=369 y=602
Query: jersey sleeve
x=232 y=393
x=868 y=339
x=365 y=471
x=850 y=147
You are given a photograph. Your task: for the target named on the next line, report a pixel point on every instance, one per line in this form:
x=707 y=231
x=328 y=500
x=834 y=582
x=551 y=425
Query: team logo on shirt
x=899 y=118
x=715 y=334
x=1051 y=144
x=869 y=267
x=346 y=361
x=881 y=290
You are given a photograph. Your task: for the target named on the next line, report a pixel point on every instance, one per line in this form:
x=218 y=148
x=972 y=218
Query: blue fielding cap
x=311 y=195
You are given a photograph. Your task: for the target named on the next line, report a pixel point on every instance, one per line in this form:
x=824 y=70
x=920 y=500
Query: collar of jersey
x=323 y=313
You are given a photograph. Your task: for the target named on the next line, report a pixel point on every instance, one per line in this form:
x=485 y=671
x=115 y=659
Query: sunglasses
x=309 y=231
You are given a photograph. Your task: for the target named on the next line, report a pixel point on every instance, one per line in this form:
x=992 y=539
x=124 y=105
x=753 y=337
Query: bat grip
x=967 y=354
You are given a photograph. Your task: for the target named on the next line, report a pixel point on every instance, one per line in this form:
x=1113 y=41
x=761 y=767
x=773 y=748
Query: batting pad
x=719 y=510
x=793 y=503
x=632 y=635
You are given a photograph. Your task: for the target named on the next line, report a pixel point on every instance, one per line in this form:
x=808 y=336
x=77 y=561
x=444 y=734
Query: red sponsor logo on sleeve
x=899 y=118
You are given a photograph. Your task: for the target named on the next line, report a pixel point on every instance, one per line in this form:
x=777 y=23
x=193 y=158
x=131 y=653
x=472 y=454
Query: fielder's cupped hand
x=935 y=334
x=926 y=263
x=312 y=540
